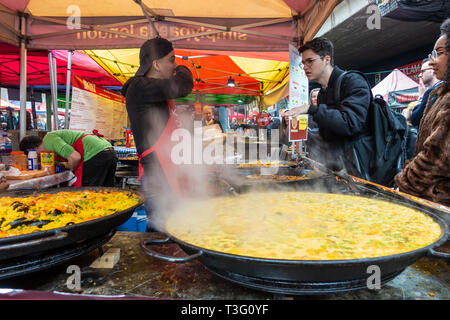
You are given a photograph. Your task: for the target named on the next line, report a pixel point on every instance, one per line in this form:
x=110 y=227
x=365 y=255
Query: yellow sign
x=302 y=123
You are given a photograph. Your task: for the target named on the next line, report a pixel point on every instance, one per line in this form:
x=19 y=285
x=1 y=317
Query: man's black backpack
x=380 y=155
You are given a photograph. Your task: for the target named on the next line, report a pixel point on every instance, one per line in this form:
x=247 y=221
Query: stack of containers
x=123 y=152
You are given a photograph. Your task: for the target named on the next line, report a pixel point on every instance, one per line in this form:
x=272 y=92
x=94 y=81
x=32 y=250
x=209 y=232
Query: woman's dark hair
x=322 y=46
x=29 y=142
x=445 y=31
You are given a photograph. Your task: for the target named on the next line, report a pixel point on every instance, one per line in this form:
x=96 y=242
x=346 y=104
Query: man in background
x=427 y=83
x=208 y=118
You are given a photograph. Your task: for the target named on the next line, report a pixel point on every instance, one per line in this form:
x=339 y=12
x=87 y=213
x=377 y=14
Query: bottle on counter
x=132 y=143
x=128 y=141
x=33 y=163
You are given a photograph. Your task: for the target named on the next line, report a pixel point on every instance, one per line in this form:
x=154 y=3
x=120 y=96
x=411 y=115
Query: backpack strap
x=338 y=84
x=338 y=87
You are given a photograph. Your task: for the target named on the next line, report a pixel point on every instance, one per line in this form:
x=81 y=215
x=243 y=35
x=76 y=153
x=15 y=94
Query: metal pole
x=55 y=94
x=33 y=107
x=53 y=88
x=48 y=102
x=69 y=68
x=50 y=72
x=23 y=81
x=150 y=22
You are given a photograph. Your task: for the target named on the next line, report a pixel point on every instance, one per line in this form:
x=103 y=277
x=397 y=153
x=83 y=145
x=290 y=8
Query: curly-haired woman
x=427 y=175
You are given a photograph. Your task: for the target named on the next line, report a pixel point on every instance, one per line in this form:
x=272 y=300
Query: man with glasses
x=426 y=76
x=339 y=122
x=429 y=80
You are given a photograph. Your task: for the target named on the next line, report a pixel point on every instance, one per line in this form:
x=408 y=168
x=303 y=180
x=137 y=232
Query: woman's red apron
x=162 y=149
x=78 y=146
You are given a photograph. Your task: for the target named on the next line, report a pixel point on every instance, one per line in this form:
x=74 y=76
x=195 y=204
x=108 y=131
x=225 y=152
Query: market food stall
x=216 y=274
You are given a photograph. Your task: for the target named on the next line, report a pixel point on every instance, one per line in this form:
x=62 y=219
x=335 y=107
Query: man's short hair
x=321 y=46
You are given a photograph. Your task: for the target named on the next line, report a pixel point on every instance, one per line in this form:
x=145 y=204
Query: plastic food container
x=19 y=160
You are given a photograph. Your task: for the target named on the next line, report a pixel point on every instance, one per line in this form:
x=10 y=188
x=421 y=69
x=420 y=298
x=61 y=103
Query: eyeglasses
x=435 y=54
x=309 y=62
x=423 y=70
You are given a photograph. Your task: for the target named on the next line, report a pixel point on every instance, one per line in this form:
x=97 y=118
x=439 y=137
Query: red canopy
x=38 y=71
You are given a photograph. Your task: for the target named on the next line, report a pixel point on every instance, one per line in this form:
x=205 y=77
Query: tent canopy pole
x=69 y=68
x=150 y=22
x=23 y=80
x=55 y=95
x=53 y=88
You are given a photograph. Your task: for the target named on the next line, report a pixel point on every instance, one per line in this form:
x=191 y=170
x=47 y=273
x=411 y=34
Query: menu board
x=298 y=82
x=94 y=107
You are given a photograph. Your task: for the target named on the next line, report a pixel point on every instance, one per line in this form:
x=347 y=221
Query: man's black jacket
x=146 y=102
x=342 y=122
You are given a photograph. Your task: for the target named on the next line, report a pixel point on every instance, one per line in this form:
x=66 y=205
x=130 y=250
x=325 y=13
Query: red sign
x=298 y=127
x=402 y=98
x=85 y=85
x=412 y=70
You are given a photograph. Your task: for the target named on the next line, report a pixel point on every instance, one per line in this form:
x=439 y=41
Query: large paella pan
x=292 y=254
x=35 y=222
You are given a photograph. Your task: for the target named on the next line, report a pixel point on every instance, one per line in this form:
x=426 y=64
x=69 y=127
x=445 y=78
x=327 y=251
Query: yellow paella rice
x=303 y=226
x=273 y=177
x=259 y=163
x=22 y=215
